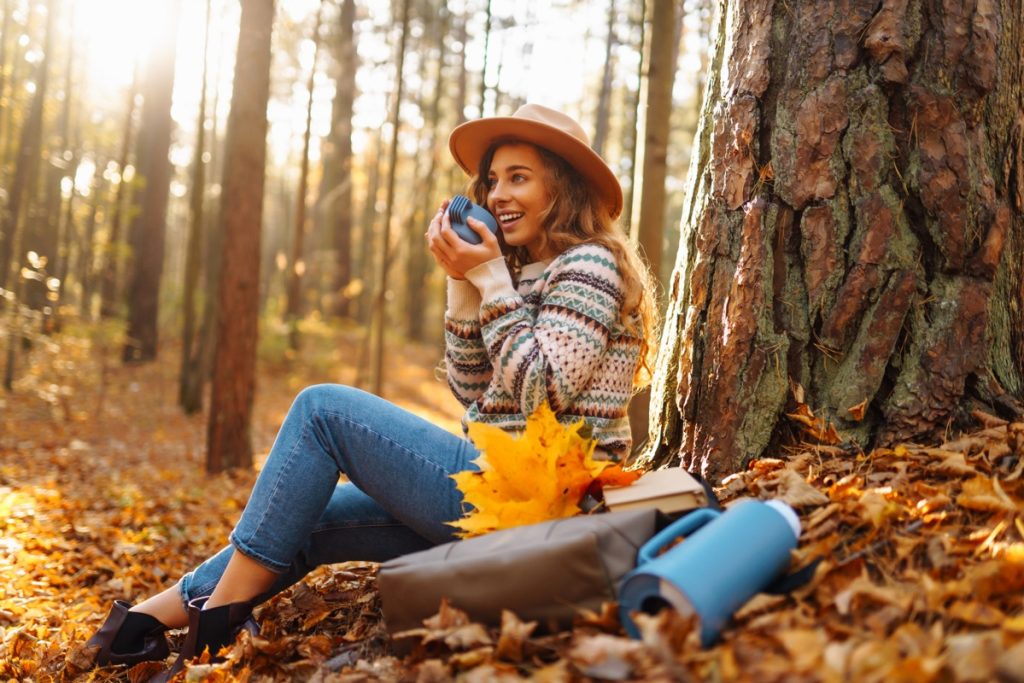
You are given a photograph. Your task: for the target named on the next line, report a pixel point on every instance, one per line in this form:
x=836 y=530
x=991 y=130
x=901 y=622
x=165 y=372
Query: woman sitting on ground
x=558 y=310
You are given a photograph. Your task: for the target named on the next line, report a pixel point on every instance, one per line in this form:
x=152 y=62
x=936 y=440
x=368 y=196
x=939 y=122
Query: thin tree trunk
x=190 y=382
x=214 y=244
x=148 y=228
x=86 y=267
x=853 y=235
x=26 y=165
x=336 y=190
x=380 y=319
x=419 y=265
x=113 y=255
x=5 y=33
x=487 y=46
x=605 y=98
x=367 y=236
x=633 y=132
x=22 y=190
x=661 y=70
x=229 y=442
x=297 y=263
x=65 y=220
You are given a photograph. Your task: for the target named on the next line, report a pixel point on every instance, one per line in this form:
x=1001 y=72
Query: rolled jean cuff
x=189 y=590
x=263 y=560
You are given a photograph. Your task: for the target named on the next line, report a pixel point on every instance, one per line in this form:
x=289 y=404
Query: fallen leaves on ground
x=922 y=577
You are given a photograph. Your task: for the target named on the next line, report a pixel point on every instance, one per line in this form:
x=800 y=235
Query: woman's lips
x=507 y=219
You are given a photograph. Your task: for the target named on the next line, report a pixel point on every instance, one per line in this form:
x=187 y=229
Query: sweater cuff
x=492 y=279
x=463 y=300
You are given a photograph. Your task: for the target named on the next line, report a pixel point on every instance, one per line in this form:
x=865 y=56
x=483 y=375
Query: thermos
x=726 y=558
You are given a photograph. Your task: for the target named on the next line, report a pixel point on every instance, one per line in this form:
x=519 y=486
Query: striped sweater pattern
x=557 y=337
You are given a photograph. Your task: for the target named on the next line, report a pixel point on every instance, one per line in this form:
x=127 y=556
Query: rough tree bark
x=854 y=225
x=229 y=442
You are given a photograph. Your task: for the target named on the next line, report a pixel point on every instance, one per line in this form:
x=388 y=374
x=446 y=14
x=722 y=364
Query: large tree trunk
x=148 y=227
x=855 y=226
x=229 y=442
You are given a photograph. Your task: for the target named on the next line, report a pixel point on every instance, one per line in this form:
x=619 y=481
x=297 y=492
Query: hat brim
x=469 y=142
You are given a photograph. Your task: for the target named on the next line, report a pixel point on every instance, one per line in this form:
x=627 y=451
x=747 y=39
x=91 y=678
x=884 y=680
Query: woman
x=562 y=316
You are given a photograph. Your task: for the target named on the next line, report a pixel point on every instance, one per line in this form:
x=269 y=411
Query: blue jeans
x=298 y=517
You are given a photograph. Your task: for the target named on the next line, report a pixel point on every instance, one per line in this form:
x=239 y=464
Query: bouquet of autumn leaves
x=541 y=474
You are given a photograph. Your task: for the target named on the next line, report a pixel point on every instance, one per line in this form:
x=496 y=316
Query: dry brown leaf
x=1010 y=666
x=805 y=647
x=605 y=656
x=980 y=493
x=863 y=589
x=514 y=633
x=794 y=490
x=607 y=620
x=951 y=462
x=976 y=613
x=857 y=412
x=973 y=656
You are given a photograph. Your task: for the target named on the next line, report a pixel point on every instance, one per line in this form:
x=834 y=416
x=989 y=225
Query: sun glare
x=110 y=36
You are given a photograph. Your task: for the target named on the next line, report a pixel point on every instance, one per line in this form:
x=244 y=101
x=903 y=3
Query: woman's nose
x=498 y=191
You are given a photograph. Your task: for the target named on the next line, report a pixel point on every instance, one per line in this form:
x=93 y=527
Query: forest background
x=208 y=204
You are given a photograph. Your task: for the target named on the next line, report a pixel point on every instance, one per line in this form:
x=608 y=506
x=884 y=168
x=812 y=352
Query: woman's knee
x=316 y=397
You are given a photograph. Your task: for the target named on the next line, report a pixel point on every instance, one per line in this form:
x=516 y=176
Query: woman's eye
x=491 y=182
x=518 y=178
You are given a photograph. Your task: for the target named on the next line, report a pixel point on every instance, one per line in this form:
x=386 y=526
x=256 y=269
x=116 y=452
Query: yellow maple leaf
x=531 y=477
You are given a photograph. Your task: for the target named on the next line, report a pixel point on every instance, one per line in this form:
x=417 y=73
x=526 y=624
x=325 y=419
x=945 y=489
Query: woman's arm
x=468 y=367
x=551 y=357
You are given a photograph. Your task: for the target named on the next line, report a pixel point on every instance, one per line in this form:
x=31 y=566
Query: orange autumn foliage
x=538 y=475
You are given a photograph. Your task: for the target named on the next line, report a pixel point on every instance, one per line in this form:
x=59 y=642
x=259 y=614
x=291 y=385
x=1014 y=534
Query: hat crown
x=554 y=119
x=546 y=128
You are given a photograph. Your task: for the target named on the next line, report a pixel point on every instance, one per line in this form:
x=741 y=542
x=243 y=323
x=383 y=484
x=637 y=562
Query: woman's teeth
x=509 y=217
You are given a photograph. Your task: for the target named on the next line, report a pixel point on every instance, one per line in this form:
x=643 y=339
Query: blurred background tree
x=116 y=162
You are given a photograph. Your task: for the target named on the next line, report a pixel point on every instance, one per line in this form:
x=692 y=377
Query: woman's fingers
x=486 y=236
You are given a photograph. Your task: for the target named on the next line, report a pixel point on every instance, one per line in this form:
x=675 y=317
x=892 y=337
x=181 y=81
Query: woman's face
x=517 y=195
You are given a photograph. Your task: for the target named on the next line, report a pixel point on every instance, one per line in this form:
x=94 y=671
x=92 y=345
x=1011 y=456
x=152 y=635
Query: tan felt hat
x=547 y=128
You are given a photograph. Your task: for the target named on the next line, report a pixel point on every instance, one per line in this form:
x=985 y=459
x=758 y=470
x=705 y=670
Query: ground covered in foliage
x=102 y=496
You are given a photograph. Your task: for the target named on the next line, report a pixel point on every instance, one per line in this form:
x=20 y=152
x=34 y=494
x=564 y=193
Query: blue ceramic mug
x=726 y=558
x=460 y=210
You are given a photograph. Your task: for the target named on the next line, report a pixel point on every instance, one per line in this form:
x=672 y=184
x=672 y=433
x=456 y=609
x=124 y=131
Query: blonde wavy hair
x=575 y=216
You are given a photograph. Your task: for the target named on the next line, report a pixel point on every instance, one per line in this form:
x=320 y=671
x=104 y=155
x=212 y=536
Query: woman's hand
x=453 y=253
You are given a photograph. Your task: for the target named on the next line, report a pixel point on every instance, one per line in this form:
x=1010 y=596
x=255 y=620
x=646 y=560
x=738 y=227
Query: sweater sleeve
x=553 y=356
x=468 y=368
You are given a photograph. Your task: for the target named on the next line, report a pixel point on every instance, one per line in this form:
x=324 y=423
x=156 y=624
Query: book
x=671 y=490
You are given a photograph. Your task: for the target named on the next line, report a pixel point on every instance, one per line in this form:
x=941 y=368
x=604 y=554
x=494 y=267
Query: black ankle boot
x=145 y=633
x=210 y=629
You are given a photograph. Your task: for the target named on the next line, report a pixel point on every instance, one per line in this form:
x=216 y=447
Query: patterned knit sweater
x=557 y=337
